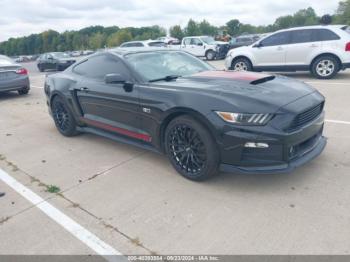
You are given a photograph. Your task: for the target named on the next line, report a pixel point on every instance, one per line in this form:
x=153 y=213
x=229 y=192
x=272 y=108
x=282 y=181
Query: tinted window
x=301 y=36
x=195 y=41
x=346 y=29
x=137 y=45
x=99 y=66
x=276 y=39
x=159 y=44
x=325 y=35
x=187 y=41
x=242 y=40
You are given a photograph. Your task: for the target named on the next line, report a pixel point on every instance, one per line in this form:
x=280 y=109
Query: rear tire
x=191 y=149
x=23 y=91
x=325 y=67
x=63 y=117
x=241 y=64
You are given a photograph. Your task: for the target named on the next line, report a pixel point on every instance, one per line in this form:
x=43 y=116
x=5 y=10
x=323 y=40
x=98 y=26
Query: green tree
x=207 y=29
x=233 y=27
x=119 y=37
x=177 y=32
x=192 y=28
x=343 y=13
x=97 y=40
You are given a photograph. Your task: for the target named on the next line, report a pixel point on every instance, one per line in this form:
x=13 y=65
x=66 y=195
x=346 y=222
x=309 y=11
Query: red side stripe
x=119 y=130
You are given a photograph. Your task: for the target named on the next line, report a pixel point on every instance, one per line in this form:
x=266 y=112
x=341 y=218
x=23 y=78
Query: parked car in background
x=322 y=50
x=88 y=52
x=244 y=40
x=13 y=76
x=204 y=120
x=76 y=53
x=58 y=61
x=205 y=46
x=169 y=40
x=147 y=43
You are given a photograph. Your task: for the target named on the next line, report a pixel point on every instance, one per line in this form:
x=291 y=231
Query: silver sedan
x=13 y=77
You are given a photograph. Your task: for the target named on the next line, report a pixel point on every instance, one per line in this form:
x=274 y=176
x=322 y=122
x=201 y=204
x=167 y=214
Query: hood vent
x=262 y=80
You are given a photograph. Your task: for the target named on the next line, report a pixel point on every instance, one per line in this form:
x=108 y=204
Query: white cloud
x=24 y=17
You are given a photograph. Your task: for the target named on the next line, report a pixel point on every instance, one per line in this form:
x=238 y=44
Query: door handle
x=313 y=45
x=84 y=89
x=279 y=48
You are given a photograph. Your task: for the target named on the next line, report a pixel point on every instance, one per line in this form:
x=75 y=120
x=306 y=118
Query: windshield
x=60 y=55
x=208 y=40
x=156 y=65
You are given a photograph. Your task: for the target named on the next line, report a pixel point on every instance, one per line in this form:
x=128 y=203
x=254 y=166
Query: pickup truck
x=204 y=46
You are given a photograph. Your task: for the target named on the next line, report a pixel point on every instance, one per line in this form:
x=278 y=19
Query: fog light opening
x=256 y=145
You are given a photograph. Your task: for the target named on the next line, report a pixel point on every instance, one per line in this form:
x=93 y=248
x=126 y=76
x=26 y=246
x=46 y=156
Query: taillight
x=22 y=71
x=347 y=47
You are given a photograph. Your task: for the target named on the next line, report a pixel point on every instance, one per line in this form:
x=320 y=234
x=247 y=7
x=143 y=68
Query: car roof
x=198 y=36
x=141 y=41
x=133 y=50
x=313 y=27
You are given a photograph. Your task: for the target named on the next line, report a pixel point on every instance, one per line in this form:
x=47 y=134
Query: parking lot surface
x=134 y=201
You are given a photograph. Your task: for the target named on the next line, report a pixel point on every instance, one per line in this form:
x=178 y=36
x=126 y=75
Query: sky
x=24 y=17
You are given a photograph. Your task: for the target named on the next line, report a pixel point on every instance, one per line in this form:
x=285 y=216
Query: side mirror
x=200 y=44
x=258 y=45
x=115 y=79
x=119 y=79
x=50 y=58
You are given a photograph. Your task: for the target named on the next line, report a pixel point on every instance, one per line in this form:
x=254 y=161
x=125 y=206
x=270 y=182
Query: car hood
x=246 y=89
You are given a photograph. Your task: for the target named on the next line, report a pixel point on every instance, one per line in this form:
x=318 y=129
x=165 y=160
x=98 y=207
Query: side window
x=125 y=45
x=325 y=35
x=301 y=36
x=98 y=66
x=138 y=44
x=187 y=41
x=157 y=44
x=276 y=39
x=195 y=41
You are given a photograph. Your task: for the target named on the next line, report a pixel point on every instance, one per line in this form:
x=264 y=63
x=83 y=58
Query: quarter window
x=325 y=35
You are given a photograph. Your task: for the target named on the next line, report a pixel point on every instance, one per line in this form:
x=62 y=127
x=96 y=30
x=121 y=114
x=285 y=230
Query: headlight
x=246 y=119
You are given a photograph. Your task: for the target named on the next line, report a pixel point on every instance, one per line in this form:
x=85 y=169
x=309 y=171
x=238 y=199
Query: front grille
x=304 y=147
x=306 y=117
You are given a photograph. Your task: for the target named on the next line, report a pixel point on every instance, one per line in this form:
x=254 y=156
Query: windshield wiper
x=166 y=78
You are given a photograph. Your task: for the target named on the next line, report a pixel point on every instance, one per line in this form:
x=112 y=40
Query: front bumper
x=285 y=147
x=279 y=169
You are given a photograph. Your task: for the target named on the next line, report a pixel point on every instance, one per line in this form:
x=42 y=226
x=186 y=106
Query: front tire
x=210 y=55
x=191 y=149
x=40 y=67
x=325 y=67
x=241 y=64
x=64 y=120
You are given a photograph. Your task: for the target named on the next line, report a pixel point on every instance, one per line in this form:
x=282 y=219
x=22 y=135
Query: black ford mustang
x=203 y=119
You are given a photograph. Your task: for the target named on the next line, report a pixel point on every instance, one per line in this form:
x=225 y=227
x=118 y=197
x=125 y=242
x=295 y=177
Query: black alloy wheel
x=191 y=148
x=63 y=118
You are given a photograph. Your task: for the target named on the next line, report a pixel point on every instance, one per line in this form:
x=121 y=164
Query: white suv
x=323 y=50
